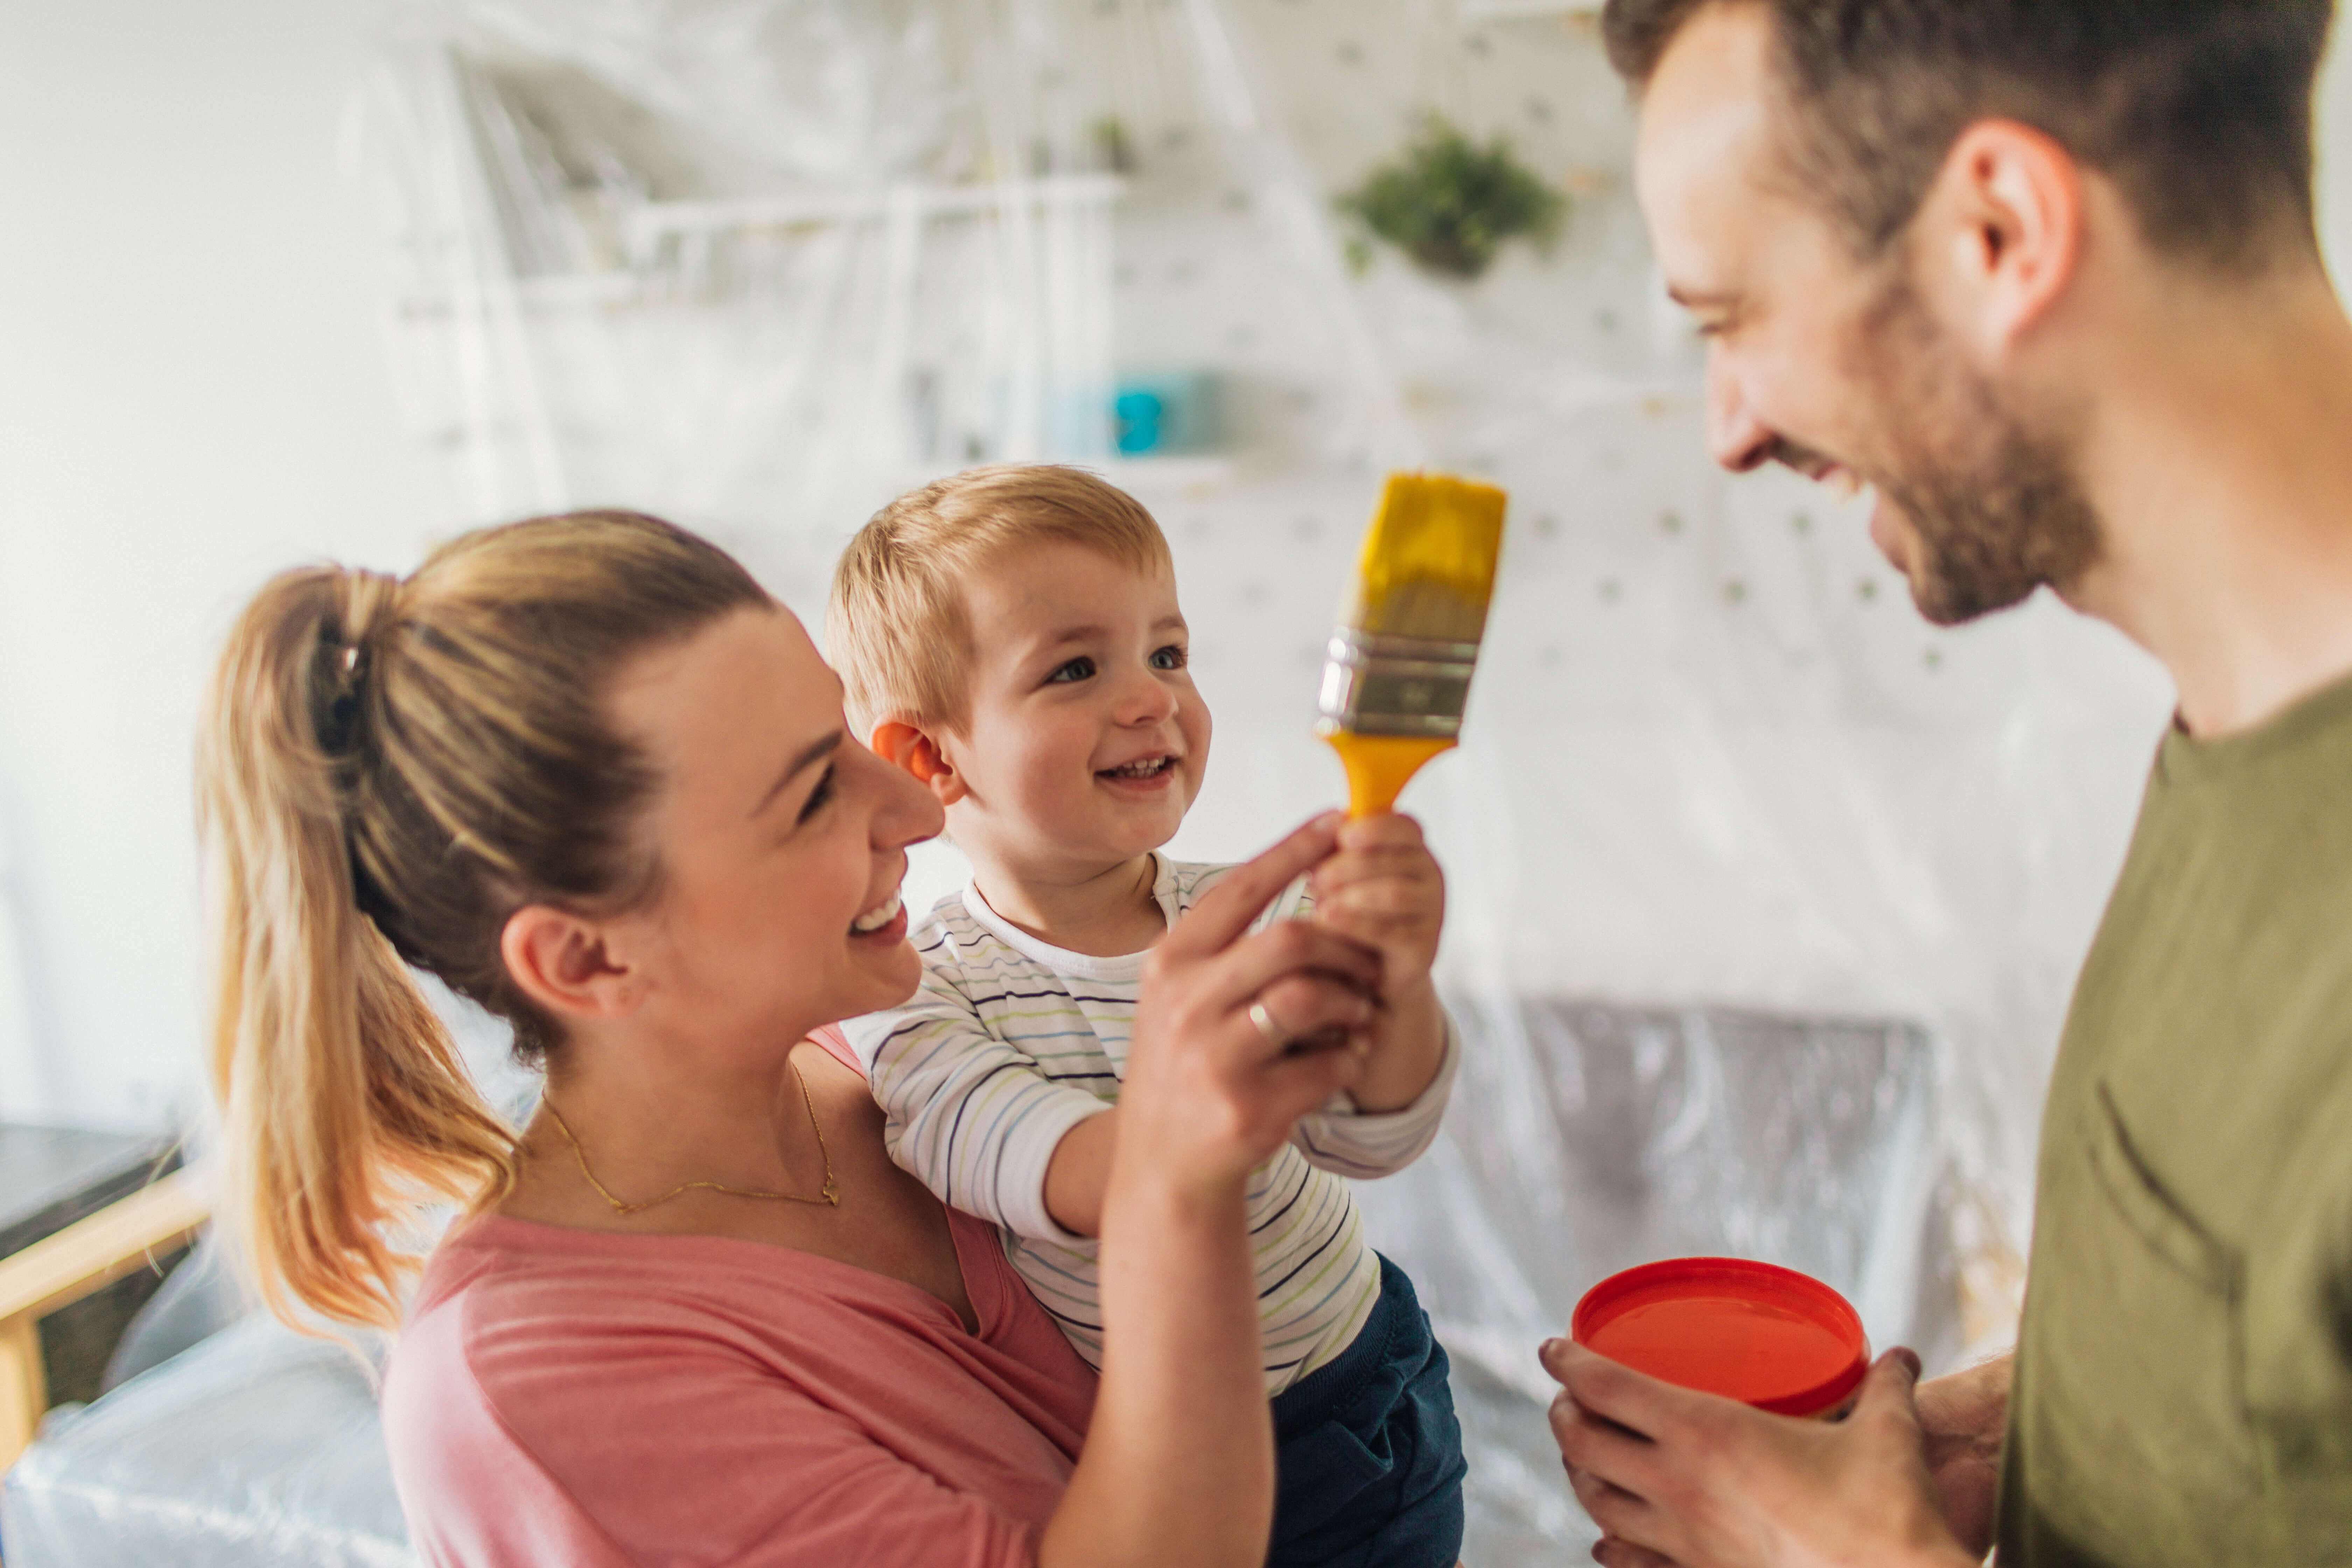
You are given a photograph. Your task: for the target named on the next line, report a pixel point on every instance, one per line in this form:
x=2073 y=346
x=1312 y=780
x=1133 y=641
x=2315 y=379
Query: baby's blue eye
x=1168 y=658
x=1077 y=670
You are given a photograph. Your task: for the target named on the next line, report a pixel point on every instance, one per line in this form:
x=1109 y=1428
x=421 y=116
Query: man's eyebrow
x=810 y=755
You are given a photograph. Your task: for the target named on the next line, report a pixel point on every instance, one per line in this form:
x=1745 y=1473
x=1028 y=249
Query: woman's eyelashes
x=817 y=798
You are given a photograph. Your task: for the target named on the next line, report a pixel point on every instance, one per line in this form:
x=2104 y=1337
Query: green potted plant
x=1451 y=203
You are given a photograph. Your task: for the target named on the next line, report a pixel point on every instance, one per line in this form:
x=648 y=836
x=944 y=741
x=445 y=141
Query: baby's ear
x=903 y=745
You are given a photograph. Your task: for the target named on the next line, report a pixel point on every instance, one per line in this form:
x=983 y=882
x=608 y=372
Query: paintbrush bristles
x=1400 y=663
x=1428 y=566
x=1436 y=612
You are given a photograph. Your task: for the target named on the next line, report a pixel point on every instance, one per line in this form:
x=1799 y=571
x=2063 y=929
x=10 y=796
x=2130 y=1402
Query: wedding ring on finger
x=1276 y=1034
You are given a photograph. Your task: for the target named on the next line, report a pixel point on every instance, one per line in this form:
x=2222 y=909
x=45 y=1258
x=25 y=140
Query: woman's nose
x=907 y=812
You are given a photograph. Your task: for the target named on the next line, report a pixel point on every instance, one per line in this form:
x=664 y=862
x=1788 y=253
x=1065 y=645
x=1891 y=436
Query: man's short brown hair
x=2198 y=110
x=898 y=628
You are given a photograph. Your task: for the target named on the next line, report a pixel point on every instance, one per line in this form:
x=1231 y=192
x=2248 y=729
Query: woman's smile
x=884 y=925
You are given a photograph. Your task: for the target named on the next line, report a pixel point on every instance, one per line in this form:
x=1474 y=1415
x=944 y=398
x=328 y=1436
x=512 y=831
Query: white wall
x=191 y=393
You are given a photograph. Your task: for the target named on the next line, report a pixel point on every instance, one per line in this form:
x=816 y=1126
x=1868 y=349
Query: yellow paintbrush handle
x=1379 y=767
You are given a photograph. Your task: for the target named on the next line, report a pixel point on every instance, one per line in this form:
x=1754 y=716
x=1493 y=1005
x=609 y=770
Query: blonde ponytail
x=385 y=773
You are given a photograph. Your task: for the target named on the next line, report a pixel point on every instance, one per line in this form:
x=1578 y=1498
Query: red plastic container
x=1766 y=1336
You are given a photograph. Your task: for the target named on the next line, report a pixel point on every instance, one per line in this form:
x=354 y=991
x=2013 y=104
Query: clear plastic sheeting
x=258 y=1448
x=202 y=1295
x=831 y=92
x=757 y=264
x=1587 y=1137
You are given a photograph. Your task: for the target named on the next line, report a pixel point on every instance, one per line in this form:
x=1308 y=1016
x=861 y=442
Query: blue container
x=1161 y=416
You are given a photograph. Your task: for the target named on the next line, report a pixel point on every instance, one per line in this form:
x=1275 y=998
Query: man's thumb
x=1891 y=1382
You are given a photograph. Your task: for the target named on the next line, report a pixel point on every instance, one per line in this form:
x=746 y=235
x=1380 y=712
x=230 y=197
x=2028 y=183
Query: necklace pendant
x=832 y=1193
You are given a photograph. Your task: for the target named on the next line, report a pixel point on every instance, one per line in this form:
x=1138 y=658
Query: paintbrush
x=1399 y=672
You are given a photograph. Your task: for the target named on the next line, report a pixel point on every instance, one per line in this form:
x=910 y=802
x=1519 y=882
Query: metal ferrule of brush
x=1396 y=686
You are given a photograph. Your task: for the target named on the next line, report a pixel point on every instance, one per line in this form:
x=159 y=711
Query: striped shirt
x=1010 y=1043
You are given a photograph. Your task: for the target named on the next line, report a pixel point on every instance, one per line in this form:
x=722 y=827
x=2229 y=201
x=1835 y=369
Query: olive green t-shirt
x=2183 y=1393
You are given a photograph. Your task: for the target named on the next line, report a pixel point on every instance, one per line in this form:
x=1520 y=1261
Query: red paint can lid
x=1766 y=1336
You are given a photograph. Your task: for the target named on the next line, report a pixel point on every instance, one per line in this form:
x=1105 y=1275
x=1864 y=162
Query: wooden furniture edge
x=58 y=1270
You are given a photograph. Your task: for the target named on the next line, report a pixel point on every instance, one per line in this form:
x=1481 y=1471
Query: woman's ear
x=565 y=965
x=907 y=747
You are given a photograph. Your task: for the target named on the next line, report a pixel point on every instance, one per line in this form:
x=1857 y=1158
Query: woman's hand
x=1179 y=1462
x=1209 y=1094
x=1679 y=1477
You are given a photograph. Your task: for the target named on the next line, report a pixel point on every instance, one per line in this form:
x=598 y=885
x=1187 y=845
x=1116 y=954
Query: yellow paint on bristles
x=1427 y=571
x=1428 y=566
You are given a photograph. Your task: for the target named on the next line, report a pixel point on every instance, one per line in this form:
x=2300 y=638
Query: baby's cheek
x=1197 y=724
x=1051 y=768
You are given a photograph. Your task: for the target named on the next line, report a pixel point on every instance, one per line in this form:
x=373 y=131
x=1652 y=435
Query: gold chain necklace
x=829 y=1195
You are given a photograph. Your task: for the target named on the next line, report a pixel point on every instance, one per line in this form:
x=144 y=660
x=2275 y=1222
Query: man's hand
x=1963 y=1418
x=1679 y=1477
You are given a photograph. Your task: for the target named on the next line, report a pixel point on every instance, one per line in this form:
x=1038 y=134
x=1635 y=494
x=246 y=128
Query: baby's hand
x=1383 y=887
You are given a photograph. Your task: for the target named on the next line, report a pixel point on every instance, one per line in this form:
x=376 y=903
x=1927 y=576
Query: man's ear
x=905 y=746
x=2009 y=201
x=564 y=963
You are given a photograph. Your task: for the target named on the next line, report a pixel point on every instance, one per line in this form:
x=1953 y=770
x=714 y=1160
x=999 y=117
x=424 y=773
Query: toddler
x=1011 y=637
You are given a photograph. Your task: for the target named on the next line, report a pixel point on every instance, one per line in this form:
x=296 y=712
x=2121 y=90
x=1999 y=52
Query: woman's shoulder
x=533 y=1313
x=494 y=1277
x=628 y=1394
x=467 y=1477
x=537 y=1363
x=513 y=1310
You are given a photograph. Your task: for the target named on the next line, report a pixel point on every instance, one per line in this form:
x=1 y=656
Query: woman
x=587 y=772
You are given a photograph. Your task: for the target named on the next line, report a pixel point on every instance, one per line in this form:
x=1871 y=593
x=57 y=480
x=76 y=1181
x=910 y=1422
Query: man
x=2044 y=274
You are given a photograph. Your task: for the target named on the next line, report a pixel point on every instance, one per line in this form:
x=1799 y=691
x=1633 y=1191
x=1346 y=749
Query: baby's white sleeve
x=973 y=1118
x=1350 y=1142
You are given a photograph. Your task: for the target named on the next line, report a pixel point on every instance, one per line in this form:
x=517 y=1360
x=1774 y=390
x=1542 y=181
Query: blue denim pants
x=1368 y=1454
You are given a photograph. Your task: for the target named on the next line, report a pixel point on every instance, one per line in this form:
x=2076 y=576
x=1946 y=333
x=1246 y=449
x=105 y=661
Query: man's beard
x=1996 y=507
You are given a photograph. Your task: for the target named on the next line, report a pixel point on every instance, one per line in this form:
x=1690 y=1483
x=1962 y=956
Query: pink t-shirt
x=569 y=1399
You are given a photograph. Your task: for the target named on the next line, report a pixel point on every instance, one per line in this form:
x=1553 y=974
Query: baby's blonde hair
x=897 y=629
